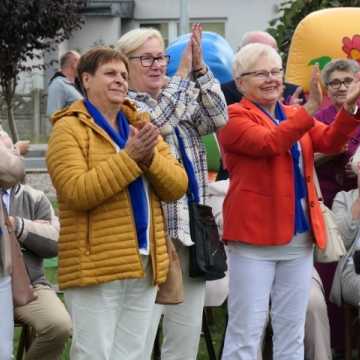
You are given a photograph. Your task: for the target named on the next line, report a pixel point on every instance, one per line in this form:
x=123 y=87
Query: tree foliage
x=291 y=12
x=28 y=28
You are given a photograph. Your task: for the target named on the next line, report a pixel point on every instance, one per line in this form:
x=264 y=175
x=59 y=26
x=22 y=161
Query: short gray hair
x=65 y=58
x=338 y=65
x=247 y=57
x=134 y=39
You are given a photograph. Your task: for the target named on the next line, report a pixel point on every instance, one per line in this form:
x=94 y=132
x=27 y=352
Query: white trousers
x=111 y=320
x=252 y=283
x=6 y=318
x=181 y=325
x=317 y=326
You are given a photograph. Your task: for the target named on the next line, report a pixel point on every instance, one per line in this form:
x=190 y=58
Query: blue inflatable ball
x=217 y=53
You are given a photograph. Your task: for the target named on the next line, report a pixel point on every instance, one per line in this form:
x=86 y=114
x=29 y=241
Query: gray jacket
x=11 y=172
x=350 y=231
x=37 y=228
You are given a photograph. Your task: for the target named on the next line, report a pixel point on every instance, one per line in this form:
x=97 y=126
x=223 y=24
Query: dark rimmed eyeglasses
x=264 y=74
x=148 y=61
x=336 y=83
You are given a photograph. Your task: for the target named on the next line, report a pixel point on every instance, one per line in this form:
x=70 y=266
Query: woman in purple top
x=335 y=174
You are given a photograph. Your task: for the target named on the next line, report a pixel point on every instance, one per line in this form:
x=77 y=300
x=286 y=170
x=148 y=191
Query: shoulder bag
x=171 y=292
x=335 y=248
x=22 y=290
x=207 y=257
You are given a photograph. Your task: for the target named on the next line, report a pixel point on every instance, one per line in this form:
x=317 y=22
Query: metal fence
x=30 y=115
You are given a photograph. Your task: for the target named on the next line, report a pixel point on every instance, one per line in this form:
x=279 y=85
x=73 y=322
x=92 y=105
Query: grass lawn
x=216 y=326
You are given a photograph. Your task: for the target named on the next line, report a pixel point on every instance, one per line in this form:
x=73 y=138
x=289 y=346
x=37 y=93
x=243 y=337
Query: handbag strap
x=193 y=190
x=5 y=212
x=317 y=185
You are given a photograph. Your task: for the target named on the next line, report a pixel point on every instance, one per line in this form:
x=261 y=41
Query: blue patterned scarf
x=137 y=191
x=301 y=222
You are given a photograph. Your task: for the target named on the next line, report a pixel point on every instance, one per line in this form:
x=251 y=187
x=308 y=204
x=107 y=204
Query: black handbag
x=207 y=257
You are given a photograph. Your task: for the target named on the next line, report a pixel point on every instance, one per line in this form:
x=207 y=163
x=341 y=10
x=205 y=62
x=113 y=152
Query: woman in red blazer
x=272 y=216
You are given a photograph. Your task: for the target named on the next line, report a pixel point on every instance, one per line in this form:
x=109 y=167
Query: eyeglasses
x=148 y=61
x=264 y=74
x=336 y=83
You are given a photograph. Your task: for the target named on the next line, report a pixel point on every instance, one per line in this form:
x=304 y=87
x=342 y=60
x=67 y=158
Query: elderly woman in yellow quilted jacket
x=110 y=169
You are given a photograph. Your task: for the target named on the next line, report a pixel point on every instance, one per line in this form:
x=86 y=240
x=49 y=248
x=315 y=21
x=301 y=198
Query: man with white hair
x=62 y=90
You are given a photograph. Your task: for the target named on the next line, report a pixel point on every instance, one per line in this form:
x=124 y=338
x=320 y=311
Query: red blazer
x=260 y=204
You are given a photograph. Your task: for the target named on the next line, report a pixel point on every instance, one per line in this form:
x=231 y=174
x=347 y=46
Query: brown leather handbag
x=22 y=290
x=171 y=292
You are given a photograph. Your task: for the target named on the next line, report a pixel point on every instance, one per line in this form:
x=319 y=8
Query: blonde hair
x=133 y=39
x=247 y=57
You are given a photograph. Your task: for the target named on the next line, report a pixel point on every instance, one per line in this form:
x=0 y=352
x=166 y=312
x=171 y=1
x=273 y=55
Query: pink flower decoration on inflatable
x=351 y=47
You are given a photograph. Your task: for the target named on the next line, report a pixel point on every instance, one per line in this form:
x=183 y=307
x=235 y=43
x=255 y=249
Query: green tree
x=291 y=12
x=28 y=29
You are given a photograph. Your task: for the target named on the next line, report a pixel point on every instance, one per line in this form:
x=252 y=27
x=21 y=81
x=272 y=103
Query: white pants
x=181 y=323
x=7 y=318
x=317 y=326
x=252 y=283
x=111 y=320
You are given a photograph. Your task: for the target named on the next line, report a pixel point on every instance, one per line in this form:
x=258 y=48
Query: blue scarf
x=136 y=188
x=193 y=190
x=301 y=222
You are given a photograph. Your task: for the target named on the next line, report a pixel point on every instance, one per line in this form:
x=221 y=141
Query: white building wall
x=240 y=16
x=97 y=31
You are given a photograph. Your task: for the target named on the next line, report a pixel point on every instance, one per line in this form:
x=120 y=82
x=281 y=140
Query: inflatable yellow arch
x=320 y=37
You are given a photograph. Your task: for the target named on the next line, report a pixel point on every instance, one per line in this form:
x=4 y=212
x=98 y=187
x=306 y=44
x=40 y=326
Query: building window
x=214 y=26
x=217 y=27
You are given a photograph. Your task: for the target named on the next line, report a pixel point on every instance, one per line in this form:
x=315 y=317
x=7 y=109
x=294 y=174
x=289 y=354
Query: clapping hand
x=22 y=146
x=315 y=92
x=295 y=98
x=141 y=144
x=352 y=94
x=192 y=58
x=185 y=66
x=197 y=61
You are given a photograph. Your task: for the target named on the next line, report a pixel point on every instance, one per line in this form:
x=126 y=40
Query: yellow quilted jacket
x=98 y=241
